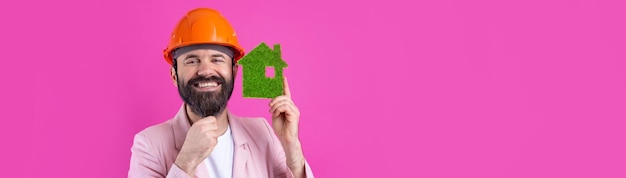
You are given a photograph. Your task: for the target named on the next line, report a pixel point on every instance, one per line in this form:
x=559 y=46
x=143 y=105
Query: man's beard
x=209 y=103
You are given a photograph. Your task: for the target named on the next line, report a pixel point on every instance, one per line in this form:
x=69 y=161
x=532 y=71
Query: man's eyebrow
x=191 y=56
x=218 y=55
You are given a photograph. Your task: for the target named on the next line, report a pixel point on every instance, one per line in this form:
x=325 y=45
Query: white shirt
x=220 y=162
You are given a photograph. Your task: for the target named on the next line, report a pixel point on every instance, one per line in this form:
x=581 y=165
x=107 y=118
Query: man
x=204 y=139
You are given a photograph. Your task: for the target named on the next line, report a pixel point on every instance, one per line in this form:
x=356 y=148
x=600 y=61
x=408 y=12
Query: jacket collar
x=181 y=126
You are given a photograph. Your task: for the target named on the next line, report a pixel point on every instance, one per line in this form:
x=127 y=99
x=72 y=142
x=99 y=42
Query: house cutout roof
x=255 y=83
x=262 y=55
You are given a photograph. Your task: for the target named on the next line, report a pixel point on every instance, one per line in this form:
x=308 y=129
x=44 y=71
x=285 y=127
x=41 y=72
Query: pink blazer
x=258 y=152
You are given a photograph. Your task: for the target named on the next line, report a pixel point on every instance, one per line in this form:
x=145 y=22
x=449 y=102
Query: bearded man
x=204 y=139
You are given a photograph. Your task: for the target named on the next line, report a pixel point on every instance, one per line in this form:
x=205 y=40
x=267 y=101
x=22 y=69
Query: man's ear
x=235 y=67
x=174 y=77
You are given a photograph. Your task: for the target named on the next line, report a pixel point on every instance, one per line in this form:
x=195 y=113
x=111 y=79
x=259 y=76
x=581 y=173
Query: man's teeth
x=207 y=84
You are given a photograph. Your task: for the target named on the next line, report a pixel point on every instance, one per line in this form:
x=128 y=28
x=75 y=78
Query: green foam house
x=258 y=64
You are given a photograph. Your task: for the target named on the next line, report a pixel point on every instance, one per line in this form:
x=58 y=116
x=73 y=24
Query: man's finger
x=208 y=120
x=277 y=105
x=279 y=111
x=279 y=99
x=286 y=91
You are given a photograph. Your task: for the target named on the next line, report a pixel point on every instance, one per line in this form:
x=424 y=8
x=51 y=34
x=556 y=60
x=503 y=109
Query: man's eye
x=218 y=60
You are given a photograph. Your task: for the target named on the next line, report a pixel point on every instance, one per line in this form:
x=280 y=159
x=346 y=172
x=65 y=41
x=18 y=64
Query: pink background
x=436 y=89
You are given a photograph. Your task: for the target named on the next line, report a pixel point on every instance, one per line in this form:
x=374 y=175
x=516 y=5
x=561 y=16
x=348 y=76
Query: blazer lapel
x=181 y=126
x=242 y=156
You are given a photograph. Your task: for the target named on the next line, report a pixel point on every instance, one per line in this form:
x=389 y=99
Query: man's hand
x=285 y=119
x=285 y=116
x=199 y=143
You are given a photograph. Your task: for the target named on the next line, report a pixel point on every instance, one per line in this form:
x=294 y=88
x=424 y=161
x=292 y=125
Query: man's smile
x=207 y=86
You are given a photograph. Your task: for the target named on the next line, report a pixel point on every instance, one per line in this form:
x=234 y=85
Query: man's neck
x=222 y=119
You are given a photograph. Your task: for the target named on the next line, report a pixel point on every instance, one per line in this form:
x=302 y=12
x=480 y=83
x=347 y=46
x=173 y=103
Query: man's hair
x=174 y=65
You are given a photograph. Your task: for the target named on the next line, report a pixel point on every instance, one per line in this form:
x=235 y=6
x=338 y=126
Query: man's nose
x=207 y=69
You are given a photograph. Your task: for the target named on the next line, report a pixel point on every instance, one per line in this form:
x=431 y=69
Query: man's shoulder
x=160 y=131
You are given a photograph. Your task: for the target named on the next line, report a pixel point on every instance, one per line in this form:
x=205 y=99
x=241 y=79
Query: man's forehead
x=203 y=49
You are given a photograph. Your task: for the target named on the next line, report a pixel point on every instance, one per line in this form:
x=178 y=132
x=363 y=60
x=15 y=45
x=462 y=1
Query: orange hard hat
x=203 y=26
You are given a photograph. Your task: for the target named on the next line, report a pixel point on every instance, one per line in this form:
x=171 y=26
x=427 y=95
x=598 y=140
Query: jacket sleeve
x=144 y=162
x=280 y=161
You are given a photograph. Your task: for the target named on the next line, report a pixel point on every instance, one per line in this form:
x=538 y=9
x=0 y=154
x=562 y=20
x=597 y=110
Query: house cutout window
x=269 y=72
